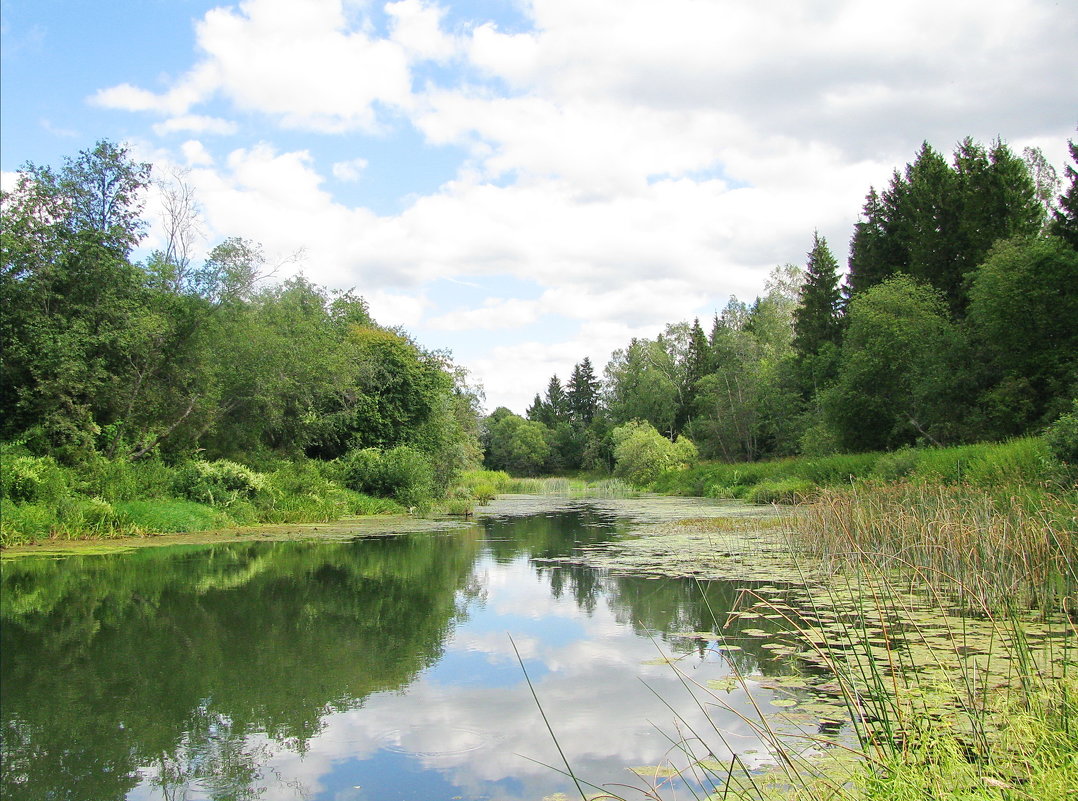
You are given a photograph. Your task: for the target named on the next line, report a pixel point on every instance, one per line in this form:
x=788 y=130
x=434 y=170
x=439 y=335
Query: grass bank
x=1027 y=461
x=101 y=498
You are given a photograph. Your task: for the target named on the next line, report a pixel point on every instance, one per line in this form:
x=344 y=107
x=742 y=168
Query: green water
x=370 y=669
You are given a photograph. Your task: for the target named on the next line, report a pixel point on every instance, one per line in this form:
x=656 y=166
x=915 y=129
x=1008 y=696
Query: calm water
x=373 y=669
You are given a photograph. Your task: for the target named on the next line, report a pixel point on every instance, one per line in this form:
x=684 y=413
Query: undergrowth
x=101 y=498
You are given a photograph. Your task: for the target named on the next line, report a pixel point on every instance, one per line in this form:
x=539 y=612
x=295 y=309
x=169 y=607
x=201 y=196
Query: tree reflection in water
x=194 y=672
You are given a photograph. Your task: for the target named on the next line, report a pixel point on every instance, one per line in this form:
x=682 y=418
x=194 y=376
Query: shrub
x=118 y=480
x=402 y=473
x=32 y=479
x=641 y=453
x=220 y=483
x=1062 y=437
x=360 y=470
x=786 y=490
x=407 y=476
x=24 y=522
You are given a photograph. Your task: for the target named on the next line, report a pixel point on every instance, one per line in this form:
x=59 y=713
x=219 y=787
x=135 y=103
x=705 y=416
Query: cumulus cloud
x=639 y=164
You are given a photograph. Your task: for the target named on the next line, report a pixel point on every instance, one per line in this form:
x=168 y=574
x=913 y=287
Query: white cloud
x=196 y=154
x=193 y=88
x=299 y=62
x=351 y=170
x=639 y=164
x=195 y=123
x=9 y=180
x=416 y=26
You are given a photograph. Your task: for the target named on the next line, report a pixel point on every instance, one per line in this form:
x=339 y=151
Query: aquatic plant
x=984 y=550
x=931 y=647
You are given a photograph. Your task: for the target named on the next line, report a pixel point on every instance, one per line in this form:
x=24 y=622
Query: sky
x=529 y=182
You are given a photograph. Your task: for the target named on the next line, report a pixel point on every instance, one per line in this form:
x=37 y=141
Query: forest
x=955 y=322
x=226 y=396
x=206 y=383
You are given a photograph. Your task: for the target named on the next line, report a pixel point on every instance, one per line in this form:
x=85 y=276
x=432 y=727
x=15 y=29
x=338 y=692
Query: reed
x=987 y=551
x=945 y=628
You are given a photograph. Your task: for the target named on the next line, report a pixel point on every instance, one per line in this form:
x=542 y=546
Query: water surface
x=385 y=668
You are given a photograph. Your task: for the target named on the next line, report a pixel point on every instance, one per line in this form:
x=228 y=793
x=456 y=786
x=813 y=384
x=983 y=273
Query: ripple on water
x=435 y=741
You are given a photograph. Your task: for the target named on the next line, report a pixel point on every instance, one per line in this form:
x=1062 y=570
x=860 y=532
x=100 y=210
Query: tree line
x=956 y=321
x=106 y=356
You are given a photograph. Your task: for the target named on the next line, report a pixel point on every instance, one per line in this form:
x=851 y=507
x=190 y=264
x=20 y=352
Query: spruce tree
x=538 y=411
x=816 y=320
x=1065 y=218
x=556 y=403
x=583 y=394
x=873 y=248
x=697 y=365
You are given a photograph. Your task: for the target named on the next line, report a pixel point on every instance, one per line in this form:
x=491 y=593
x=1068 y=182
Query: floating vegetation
x=904 y=669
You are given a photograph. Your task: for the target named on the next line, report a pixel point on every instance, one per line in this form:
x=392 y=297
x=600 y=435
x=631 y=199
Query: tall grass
x=1018 y=462
x=40 y=498
x=946 y=628
x=991 y=550
x=573 y=487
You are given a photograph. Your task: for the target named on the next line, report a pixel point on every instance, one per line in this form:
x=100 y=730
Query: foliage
x=937 y=221
x=515 y=445
x=219 y=483
x=817 y=321
x=1023 y=316
x=1064 y=222
x=1062 y=437
x=641 y=453
x=1025 y=462
x=401 y=473
x=105 y=358
x=30 y=479
x=893 y=382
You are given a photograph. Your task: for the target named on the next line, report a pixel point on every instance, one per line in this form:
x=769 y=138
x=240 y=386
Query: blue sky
x=528 y=182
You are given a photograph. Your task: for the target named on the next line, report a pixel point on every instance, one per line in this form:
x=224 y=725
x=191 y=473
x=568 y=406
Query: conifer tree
x=556 y=402
x=1065 y=218
x=583 y=394
x=816 y=320
x=538 y=411
x=697 y=365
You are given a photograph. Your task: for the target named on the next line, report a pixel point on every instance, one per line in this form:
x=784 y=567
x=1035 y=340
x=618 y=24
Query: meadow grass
x=102 y=498
x=1019 y=462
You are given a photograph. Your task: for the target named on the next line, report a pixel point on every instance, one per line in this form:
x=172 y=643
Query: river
x=415 y=666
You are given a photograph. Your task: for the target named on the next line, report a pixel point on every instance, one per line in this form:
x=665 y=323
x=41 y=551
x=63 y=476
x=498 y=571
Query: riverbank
x=341 y=530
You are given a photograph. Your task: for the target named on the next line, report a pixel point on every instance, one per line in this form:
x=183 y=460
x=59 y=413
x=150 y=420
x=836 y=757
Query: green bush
x=360 y=470
x=407 y=476
x=402 y=473
x=32 y=479
x=221 y=483
x=118 y=480
x=24 y=522
x=1062 y=437
x=641 y=453
x=786 y=490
